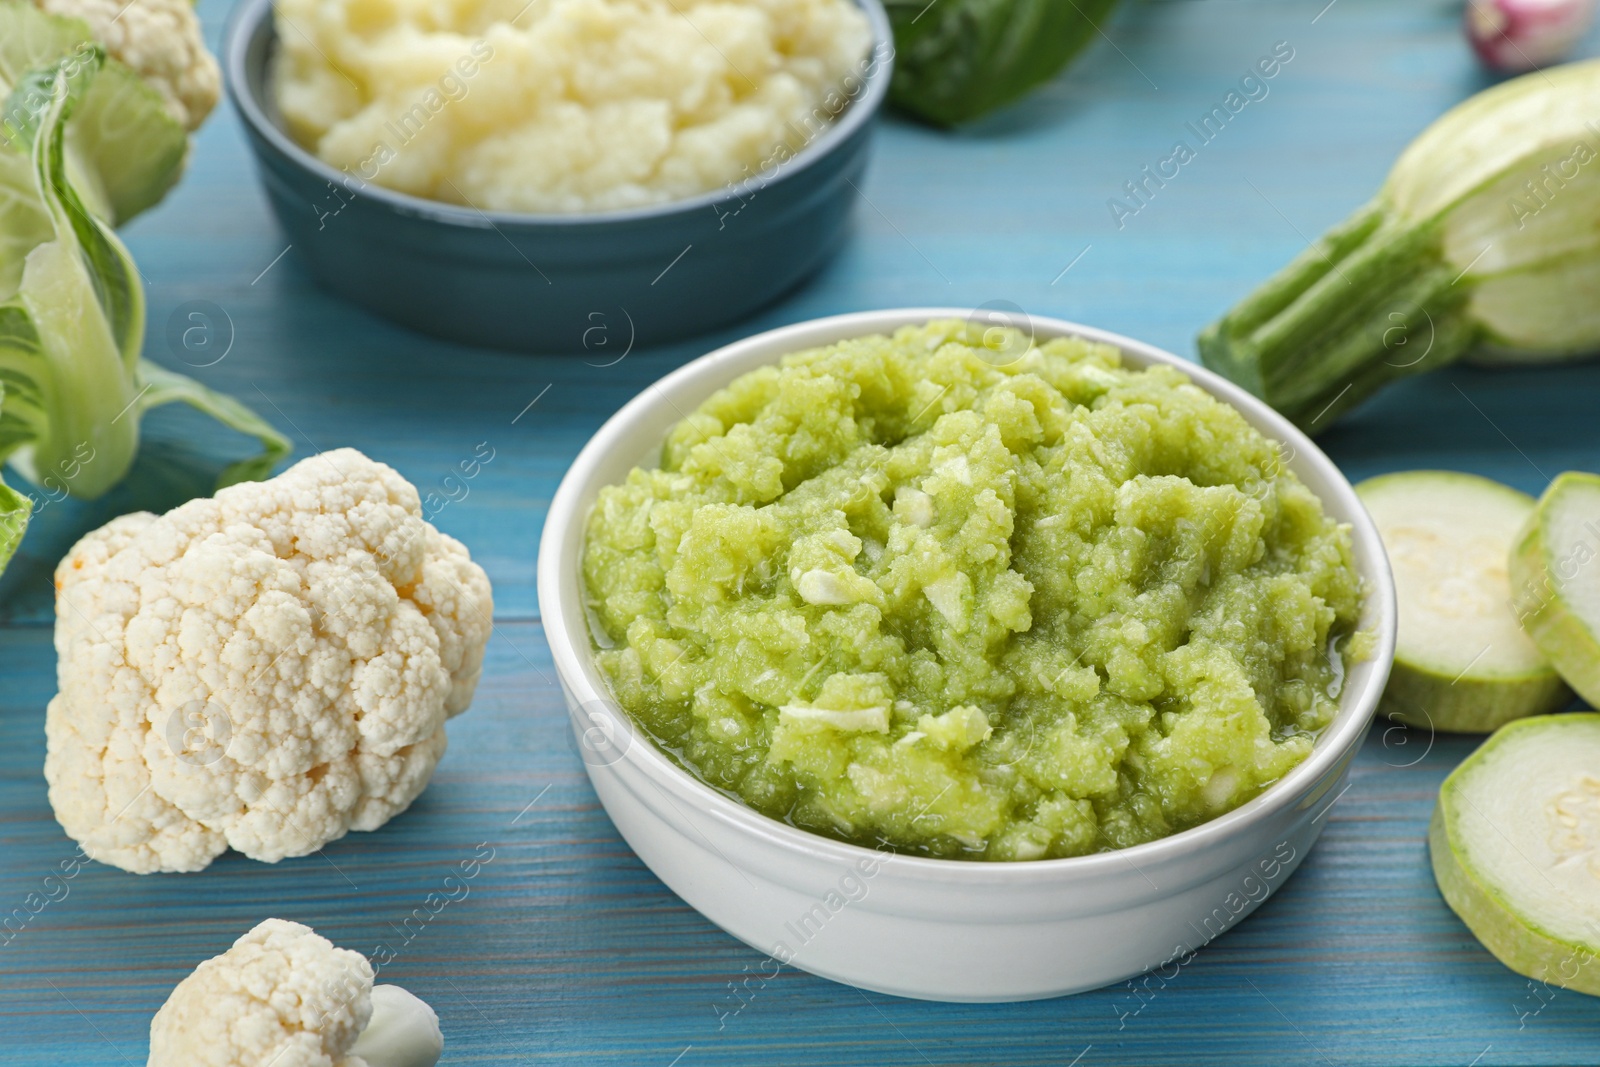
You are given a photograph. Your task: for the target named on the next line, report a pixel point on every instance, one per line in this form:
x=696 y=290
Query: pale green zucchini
x=1462 y=662
x=1515 y=842
x=1555 y=579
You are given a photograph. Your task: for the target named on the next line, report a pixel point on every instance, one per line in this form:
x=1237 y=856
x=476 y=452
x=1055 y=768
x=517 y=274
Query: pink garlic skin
x=1519 y=35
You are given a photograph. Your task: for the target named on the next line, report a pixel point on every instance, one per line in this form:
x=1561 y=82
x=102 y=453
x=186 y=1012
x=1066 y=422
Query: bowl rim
x=575 y=667
x=246 y=20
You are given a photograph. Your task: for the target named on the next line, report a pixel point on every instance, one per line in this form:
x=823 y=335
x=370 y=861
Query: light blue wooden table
x=567 y=949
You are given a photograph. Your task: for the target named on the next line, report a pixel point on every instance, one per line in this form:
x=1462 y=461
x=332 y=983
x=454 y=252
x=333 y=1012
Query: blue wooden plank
x=566 y=948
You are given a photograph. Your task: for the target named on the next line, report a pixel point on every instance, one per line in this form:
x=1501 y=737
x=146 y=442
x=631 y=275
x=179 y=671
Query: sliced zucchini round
x=1462 y=662
x=1555 y=579
x=1515 y=842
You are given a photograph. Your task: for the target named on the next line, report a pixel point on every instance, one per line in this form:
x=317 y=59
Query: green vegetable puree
x=897 y=593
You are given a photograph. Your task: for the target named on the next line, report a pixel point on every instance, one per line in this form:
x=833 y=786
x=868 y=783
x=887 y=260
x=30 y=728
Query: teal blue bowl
x=545 y=283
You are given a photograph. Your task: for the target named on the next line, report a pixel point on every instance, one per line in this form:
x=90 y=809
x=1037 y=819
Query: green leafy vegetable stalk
x=124 y=148
x=73 y=387
x=1483 y=242
x=958 y=59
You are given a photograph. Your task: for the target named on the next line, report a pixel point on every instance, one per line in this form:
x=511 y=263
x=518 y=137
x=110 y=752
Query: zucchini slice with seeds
x=1462 y=662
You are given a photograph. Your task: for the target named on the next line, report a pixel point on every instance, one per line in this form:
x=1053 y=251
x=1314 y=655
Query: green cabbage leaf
x=124 y=149
x=73 y=385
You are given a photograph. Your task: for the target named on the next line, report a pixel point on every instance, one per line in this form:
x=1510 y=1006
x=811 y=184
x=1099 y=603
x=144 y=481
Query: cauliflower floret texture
x=160 y=39
x=283 y=996
x=263 y=670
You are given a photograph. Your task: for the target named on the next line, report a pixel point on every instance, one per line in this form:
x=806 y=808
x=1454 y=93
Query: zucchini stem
x=1371 y=301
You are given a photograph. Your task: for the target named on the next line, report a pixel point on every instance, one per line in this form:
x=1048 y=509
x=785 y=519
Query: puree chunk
x=895 y=593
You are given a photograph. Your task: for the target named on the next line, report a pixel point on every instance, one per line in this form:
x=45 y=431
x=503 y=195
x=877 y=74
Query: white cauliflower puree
x=564 y=105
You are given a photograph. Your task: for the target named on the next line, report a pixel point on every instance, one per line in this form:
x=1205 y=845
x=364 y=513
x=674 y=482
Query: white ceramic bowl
x=938 y=929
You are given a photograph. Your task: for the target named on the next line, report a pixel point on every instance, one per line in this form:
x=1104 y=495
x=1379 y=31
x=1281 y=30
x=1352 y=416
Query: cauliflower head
x=282 y=995
x=160 y=39
x=265 y=670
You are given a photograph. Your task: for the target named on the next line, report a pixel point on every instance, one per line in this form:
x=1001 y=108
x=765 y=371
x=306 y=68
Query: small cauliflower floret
x=160 y=39
x=283 y=996
x=265 y=670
